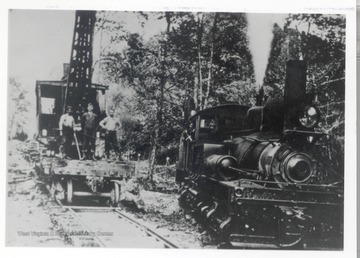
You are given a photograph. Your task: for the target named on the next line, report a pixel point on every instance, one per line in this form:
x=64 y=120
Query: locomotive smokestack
x=294 y=92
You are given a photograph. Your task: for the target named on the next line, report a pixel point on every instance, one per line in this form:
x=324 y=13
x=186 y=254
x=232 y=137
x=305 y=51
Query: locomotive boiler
x=260 y=177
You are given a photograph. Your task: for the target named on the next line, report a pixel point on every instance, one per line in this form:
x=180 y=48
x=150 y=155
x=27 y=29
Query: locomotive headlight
x=298 y=168
x=309 y=117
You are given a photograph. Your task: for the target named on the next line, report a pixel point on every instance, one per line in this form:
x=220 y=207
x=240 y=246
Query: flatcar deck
x=57 y=166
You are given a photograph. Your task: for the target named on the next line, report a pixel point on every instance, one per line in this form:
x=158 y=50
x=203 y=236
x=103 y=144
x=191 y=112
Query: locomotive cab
x=213 y=123
x=208 y=129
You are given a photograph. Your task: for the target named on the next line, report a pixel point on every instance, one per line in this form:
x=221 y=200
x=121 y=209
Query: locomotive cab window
x=206 y=127
x=214 y=121
x=227 y=124
x=207 y=123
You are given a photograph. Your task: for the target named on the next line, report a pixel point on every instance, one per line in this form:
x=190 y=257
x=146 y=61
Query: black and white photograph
x=176 y=129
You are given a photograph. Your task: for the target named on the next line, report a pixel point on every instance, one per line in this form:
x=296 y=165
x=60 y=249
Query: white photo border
x=346 y=7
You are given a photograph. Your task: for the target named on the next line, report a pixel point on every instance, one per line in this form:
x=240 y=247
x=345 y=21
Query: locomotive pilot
x=89 y=125
x=66 y=127
x=111 y=125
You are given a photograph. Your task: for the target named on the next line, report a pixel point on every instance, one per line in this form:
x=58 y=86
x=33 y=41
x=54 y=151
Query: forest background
x=198 y=60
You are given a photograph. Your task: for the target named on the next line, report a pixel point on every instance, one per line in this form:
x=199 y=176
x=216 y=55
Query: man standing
x=111 y=124
x=167 y=161
x=89 y=124
x=66 y=126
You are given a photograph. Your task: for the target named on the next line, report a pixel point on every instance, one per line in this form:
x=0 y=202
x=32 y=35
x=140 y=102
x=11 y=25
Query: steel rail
x=70 y=209
x=137 y=224
x=149 y=231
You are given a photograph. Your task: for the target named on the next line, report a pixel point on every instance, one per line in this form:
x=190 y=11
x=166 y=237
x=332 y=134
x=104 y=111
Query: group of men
x=89 y=126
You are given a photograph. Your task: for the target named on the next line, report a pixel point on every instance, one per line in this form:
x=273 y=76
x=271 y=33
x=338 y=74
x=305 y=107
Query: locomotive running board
x=284 y=202
x=251 y=191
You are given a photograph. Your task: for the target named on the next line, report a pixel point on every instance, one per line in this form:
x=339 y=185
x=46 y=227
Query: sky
x=40 y=43
x=260 y=35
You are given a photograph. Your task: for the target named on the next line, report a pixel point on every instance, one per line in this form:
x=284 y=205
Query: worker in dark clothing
x=66 y=127
x=111 y=125
x=89 y=124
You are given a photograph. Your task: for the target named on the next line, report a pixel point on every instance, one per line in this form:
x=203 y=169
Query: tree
x=18 y=111
x=144 y=66
x=320 y=41
x=211 y=59
x=232 y=61
x=195 y=62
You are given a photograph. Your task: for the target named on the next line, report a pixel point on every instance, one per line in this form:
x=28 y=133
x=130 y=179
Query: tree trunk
x=209 y=79
x=196 y=89
x=160 y=100
x=152 y=158
x=260 y=97
x=199 y=74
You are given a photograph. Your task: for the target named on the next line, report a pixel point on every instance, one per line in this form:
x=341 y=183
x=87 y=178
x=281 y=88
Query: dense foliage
x=203 y=59
x=197 y=60
x=320 y=41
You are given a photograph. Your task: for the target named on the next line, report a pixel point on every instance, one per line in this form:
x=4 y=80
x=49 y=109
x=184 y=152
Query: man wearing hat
x=111 y=124
x=66 y=127
x=89 y=124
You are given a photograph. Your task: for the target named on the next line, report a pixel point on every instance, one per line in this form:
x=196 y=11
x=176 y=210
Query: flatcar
x=76 y=178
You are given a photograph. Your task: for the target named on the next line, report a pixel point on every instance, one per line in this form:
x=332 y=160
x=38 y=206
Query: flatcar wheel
x=115 y=195
x=69 y=194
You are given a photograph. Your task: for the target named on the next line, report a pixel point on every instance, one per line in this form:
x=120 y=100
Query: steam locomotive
x=259 y=177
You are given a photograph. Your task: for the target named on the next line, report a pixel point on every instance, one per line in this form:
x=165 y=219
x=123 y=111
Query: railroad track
x=111 y=227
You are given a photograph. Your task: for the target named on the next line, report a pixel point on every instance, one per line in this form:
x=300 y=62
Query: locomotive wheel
x=69 y=193
x=115 y=195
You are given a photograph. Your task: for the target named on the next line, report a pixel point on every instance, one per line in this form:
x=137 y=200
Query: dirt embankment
x=28 y=208
x=156 y=203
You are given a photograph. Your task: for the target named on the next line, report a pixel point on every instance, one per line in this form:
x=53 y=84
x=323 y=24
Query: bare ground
x=28 y=207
